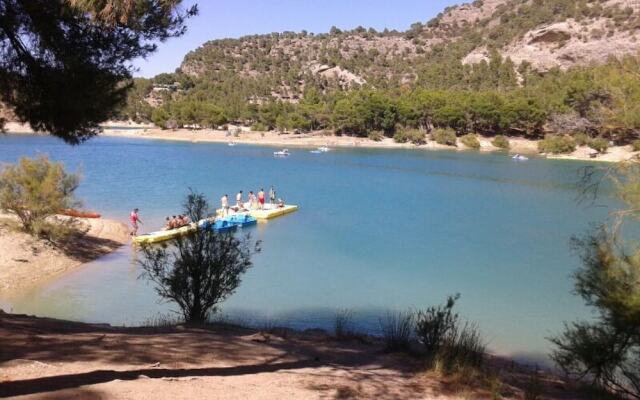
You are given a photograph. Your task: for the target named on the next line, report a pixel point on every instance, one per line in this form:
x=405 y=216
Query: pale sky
x=234 y=18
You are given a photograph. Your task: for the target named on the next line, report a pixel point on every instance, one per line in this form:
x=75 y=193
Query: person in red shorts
x=261 y=199
x=134 y=218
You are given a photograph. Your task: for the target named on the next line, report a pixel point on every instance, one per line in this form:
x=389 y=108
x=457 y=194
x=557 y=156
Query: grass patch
x=343 y=325
x=397 y=330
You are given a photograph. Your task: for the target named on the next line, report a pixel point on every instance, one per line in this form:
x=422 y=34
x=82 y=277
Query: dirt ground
x=52 y=359
x=26 y=261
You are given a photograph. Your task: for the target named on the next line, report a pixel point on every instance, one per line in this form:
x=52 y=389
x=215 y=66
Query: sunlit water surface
x=377 y=230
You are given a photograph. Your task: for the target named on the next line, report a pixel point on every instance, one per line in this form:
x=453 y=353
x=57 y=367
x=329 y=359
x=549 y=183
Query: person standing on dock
x=272 y=195
x=239 y=203
x=224 y=203
x=134 y=218
x=253 y=202
x=261 y=199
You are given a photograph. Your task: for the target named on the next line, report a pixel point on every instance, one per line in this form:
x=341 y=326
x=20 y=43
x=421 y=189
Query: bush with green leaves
x=198 y=271
x=448 y=343
x=605 y=348
x=376 y=136
x=434 y=324
x=36 y=189
x=501 y=142
x=471 y=141
x=259 y=127
x=555 y=144
x=599 y=144
x=582 y=139
x=635 y=145
x=445 y=137
x=414 y=136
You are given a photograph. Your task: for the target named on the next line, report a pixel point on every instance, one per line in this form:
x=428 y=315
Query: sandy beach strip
x=518 y=145
x=26 y=261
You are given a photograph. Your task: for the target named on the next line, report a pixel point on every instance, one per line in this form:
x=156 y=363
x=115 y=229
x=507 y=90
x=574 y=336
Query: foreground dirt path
x=52 y=359
x=26 y=261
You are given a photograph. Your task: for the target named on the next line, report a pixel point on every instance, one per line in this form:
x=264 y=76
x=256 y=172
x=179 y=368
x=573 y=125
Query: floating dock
x=162 y=236
x=270 y=211
x=218 y=224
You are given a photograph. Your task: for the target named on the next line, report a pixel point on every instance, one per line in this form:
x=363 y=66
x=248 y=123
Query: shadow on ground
x=52 y=359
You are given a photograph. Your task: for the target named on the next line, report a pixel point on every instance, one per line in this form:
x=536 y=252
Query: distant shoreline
x=316 y=139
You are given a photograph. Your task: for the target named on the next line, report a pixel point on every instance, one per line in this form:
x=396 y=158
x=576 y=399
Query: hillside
x=546 y=34
x=296 y=80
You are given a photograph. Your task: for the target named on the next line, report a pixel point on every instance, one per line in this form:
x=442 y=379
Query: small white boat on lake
x=231 y=143
x=281 y=153
x=323 y=149
x=520 y=157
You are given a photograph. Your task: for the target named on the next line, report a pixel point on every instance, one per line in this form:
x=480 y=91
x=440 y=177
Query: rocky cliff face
x=543 y=34
x=590 y=33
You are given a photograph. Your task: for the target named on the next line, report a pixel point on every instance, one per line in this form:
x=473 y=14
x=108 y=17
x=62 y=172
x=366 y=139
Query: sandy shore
x=52 y=359
x=315 y=139
x=26 y=261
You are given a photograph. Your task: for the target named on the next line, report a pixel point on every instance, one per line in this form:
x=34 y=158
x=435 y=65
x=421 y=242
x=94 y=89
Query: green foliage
x=471 y=141
x=582 y=139
x=265 y=79
x=259 y=127
x=636 y=145
x=501 y=142
x=434 y=324
x=555 y=144
x=605 y=348
x=198 y=271
x=445 y=137
x=449 y=344
x=35 y=189
x=414 y=136
x=599 y=144
x=463 y=348
x=376 y=136
x=65 y=64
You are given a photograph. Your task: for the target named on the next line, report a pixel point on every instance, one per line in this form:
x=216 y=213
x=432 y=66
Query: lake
x=377 y=230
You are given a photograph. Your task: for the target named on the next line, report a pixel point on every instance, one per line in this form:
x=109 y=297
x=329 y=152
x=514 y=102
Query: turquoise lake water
x=377 y=230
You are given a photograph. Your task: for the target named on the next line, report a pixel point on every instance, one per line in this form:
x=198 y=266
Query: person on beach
x=272 y=195
x=134 y=218
x=239 y=200
x=261 y=199
x=224 y=202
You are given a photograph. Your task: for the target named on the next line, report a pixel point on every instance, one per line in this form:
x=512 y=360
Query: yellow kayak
x=270 y=211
